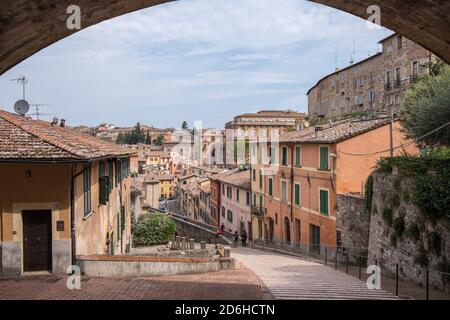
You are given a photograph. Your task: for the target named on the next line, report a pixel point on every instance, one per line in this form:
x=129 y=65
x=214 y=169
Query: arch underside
x=29 y=26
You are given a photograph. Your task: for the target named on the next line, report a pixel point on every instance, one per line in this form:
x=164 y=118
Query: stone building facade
x=373 y=85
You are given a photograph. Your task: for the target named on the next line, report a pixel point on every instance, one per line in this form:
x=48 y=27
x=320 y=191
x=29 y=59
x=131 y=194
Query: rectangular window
x=247 y=198
x=230 y=216
x=297 y=156
x=254 y=199
x=283 y=190
x=223 y=211
x=260 y=179
x=297 y=194
x=415 y=69
x=271 y=187
x=254 y=174
x=237 y=195
x=323 y=158
x=223 y=189
x=87 y=191
x=399 y=42
x=323 y=202
x=284 y=156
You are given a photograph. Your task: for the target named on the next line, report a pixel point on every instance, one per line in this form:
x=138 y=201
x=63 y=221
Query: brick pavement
x=222 y=285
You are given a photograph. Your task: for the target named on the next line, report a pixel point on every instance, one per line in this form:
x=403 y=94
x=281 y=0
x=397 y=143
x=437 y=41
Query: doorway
x=37 y=240
x=287 y=228
x=315 y=238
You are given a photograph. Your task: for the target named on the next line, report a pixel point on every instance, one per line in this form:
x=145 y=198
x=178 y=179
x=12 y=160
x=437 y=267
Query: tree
x=184 y=125
x=148 y=139
x=120 y=138
x=159 y=140
x=426 y=106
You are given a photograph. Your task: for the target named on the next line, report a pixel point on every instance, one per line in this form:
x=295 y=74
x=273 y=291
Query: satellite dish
x=21 y=107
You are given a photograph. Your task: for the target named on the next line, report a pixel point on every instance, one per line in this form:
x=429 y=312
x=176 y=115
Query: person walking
x=236 y=238
x=244 y=238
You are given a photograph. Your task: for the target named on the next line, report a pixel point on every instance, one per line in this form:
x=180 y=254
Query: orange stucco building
x=297 y=199
x=63 y=194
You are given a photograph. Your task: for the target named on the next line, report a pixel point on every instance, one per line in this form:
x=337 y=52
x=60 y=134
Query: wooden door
x=37 y=240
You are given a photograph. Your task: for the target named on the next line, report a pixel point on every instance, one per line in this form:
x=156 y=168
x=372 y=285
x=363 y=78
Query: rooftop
x=239 y=179
x=334 y=132
x=22 y=138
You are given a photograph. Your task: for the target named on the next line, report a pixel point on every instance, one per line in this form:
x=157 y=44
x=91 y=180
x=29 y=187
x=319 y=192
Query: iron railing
x=354 y=261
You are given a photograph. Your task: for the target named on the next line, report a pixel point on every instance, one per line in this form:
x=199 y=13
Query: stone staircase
x=295 y=279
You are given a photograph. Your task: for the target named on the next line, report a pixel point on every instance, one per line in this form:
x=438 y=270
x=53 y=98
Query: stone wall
x=188 y=229
x=353 y=222
x=391 y=205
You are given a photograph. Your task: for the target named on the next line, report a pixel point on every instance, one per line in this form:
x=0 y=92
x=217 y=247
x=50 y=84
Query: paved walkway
x=239 y=284
x=294 y=278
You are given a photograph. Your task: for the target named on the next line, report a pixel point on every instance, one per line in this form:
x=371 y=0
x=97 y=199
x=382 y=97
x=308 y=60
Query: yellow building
x=63 y=194
x=166 y=186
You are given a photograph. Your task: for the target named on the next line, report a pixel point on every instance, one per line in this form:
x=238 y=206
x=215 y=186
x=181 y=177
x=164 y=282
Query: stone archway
x=29 y=26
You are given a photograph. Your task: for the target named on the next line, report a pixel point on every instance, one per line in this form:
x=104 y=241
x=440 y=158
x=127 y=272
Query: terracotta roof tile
x=23 y=138
x=240 y=179
x=336 y=132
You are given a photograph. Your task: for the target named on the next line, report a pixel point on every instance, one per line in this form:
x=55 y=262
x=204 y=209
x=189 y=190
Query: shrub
x=152 y=229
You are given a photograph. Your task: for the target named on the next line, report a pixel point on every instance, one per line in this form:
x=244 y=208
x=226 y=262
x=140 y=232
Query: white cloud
x=186 y=58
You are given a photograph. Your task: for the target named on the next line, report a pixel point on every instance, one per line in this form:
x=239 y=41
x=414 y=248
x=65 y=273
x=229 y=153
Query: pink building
x=235 y=204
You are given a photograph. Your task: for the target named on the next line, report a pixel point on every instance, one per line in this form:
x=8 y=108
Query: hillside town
x=301 y=182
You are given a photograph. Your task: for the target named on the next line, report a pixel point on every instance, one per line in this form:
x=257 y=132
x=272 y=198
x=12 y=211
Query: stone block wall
x=353 y=222
x=391 y=201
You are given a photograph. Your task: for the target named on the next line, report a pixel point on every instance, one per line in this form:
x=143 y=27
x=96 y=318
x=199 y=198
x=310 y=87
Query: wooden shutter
x=297 y=194
x=270 y=187
x=103 y=192
x=297 y=156
x=324 y=158
x=324 y=202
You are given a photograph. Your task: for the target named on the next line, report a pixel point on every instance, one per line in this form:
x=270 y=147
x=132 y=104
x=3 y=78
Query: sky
x=193 y=60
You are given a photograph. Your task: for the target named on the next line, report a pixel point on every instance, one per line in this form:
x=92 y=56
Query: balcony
x=258 y=211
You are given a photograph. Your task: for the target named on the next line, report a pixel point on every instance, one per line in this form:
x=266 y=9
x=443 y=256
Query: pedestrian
x=244 y=238
x=222 y=228
x=236 y=238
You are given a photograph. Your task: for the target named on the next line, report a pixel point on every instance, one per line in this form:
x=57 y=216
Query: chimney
x=62 y=124
x=55 y=121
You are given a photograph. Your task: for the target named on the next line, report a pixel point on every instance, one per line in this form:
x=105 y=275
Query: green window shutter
x=103 y=192
x=237 y=195
x=324 y=158
x=297 y=194
x=118 y=227
x=270 y=187
x=284 y=157
x=247 y=198
x=260 y=179
x=260 y=201
x=87 y=191
x=297 y=156
x=324 y=202
x=101 y=168
x=111 y=176
x=122 y=218
x=254 y=199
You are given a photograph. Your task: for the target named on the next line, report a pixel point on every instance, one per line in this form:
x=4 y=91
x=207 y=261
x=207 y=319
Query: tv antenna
x=38 y=113
x=21 y=106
